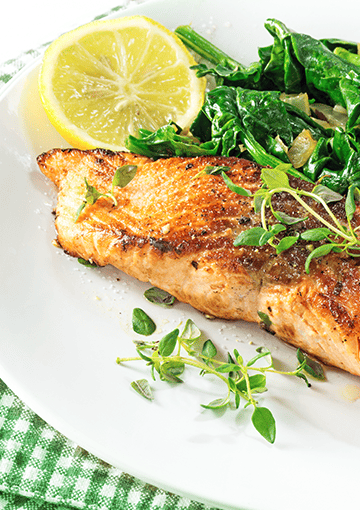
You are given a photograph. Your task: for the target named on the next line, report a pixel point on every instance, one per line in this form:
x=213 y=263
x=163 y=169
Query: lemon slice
x=109 y=78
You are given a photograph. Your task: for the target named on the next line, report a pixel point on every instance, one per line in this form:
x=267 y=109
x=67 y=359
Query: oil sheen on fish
x=176 y=230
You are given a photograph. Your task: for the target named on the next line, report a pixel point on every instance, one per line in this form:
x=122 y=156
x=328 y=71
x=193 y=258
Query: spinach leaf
x=262 y=113
x=226 y=70
x=309 y=65
x=333 y=44
x=350 y=56
x=166 y=142
x=282 y=68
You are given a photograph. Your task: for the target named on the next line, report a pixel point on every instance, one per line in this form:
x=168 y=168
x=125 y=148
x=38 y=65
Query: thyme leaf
x=142 y=323
x=87 y=263
x=142 y=386
x=265 y=318
x=264 y=423
x=159 y=297
x=123 y=175
x=311 y=366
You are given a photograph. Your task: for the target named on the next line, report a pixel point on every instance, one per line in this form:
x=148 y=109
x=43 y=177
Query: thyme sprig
x=336 y=236
x=243 y=380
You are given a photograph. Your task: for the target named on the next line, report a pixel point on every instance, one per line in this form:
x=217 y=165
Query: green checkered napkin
x=40 y=469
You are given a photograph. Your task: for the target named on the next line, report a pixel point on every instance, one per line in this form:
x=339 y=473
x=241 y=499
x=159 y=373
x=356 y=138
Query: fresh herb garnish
x=142 y=386
x=265 y=319
x=212 y=170
x=311 y=366
x=191 y=333
x=142 y=323
x=243 y=380
x=87 y=263
x=337 y=237
x=159 y=297
x=123 y=175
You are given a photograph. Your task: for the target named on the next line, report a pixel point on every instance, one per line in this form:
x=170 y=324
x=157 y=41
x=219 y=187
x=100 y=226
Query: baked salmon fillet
x=176 y=229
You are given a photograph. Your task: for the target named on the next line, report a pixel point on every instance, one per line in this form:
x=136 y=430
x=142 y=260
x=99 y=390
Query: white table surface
x=27 y=25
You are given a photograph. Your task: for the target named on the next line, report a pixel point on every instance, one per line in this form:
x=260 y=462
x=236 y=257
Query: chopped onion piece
x=301 y=149
x=334 y=116
x=301 y=101
x=323 y=123
x=340 y=109
x=284 y=147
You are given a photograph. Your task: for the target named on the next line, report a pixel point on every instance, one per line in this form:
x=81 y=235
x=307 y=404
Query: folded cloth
x=40 y=469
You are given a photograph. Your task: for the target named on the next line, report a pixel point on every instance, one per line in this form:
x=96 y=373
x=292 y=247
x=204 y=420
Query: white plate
x=62 y=325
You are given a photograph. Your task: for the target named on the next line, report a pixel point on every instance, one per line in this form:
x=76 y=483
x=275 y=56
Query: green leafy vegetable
x=316 y=234
x=246 y=115
x=318 y=252
x=242 y=380
x=217 y=403
x=286 y=219
x=91 y=196
x=353 y=196
x=250 y=237
x=349 y=56
x=209 y=350
x=326 y=194
x=285 y=243
x=166 y=142
x=234 y=187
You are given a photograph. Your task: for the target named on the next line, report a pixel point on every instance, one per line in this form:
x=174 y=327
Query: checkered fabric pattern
x=40 y=469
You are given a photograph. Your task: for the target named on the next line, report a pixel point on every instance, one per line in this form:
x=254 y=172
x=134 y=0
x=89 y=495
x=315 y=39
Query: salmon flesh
x=176 y=229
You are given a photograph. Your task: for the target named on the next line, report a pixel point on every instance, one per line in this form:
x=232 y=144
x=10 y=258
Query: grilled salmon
x=176 y=229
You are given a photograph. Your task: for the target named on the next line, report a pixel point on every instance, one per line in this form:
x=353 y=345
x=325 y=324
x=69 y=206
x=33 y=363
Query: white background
x=27 y=25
